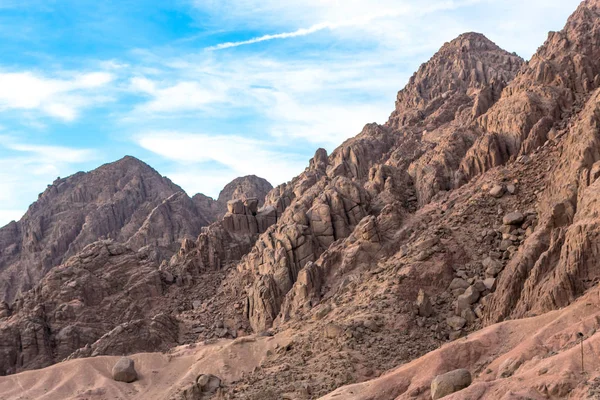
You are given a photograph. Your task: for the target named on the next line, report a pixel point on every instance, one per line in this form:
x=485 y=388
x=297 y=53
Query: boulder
x=458 y=283
x=450 y=382
x=492 y=267
x=205 y=387
x=513 y=218
x=497 y=191
x=124 y=370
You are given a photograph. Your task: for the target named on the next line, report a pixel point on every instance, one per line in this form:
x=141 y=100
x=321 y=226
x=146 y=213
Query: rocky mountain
x=119 y=201
x=90 y=247
x=385 y=269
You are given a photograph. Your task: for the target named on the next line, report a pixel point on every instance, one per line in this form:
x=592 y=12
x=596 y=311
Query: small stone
x=422 y=256
x=458 y=283
x=505 y=244
x=479 y=285
x=468 y=315
x=424 y=304
x=456 y=323
x=455 y=335
x=497 y=191
x=490 y=284
x=124 y=370
x=450 y=382
x=333 y=331
x=513 y=218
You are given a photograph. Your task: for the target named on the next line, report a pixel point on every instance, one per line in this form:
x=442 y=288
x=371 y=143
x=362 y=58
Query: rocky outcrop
x=82 y=303
x=554 y=268
x=549 y=89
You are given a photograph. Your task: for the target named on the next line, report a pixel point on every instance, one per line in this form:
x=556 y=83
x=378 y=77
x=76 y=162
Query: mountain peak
x=472 y=41
x=463 y=66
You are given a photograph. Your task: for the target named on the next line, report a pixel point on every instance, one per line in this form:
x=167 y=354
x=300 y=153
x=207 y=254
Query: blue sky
x=205 y=91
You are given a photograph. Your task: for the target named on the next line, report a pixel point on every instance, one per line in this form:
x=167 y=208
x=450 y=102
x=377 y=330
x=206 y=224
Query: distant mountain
x=126 y=201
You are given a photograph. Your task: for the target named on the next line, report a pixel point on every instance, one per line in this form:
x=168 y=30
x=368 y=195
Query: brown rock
x=124 y=370
x=514 y=218
x=449 y=383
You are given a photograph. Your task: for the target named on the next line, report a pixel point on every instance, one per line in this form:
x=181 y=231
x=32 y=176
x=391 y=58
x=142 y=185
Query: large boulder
x=450 y=382
x=124 y=370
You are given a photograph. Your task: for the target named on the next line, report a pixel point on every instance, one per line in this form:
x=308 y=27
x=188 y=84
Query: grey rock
x=124 y=370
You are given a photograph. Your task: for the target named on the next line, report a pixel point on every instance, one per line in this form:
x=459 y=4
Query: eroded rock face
x=551 y=87
x=104 y=300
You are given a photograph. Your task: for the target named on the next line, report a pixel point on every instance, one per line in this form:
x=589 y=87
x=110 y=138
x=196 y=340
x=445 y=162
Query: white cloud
x=182 y=96
x=49 y=154
x=235 y=155
x=58 y=98
x=10 y=215
x=26 y=169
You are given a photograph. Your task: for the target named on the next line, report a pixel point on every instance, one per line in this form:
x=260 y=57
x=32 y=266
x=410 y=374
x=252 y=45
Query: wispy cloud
x=356 y=14
x=241 y=155
x=28 y=168
x=55 y=97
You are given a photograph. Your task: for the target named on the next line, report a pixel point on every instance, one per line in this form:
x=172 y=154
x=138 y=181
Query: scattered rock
x=497 y=191
x=513 y=218
x=424 y=304
x=492 y=267
x=456 y=322
x=124 y=370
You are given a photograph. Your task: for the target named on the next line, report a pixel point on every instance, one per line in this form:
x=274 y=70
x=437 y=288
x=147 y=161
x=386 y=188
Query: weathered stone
x=450 y=382
x=497 y=191
x=456 y=322
x=124 y=370
x=458 y=283
x=492 y=267
x=513 y=218
x=424 y=304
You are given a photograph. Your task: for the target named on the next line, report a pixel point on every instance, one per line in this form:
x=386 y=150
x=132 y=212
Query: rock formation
x=475 y=203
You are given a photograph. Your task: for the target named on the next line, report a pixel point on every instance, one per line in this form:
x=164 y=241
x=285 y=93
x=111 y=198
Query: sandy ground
x=161 y=376
x=533 y=358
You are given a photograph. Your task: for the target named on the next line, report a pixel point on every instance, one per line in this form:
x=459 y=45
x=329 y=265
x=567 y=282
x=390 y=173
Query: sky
x=208 y=90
